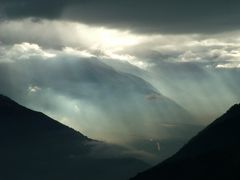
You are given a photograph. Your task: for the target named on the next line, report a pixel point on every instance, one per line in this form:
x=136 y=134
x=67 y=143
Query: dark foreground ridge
x=214 y=154
x=34 y=146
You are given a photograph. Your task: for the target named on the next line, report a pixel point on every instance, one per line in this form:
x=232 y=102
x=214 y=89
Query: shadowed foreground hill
x=213 y=154
x=34 y=146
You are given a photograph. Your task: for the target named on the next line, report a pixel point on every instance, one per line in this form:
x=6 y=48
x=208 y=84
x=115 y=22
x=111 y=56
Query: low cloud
x=24 y=51
x=228 y=66
x=140 y=50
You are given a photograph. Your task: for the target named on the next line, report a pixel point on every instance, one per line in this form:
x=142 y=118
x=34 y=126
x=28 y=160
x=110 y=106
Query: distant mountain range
x=126 y=108
x=34 y=146
x=213 y=154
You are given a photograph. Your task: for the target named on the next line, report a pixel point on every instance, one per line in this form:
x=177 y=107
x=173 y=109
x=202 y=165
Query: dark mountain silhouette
x=213 y=154
x=34 y=146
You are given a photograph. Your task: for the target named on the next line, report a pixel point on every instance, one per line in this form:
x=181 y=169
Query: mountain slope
x=34 y=146
x=213 y=154
x=85 y=92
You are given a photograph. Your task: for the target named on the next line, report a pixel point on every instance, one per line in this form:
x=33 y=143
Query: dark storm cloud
x=169 y=16
x=31 y=8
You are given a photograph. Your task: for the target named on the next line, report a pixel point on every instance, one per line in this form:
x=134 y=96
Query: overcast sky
x=168 y=16
x=106 y=67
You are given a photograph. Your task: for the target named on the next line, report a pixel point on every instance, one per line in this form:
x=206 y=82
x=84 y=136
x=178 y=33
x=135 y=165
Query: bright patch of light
x=33 y=89
x=228 y=66
x=158 y=146
x=25 y=50
x=80 y=53
x=114 y=38
x=76 y=108
x=31 y=50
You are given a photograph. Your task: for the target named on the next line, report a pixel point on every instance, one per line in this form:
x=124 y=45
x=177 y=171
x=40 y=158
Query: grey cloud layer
x=172 y=16
x=218 y=49
x=174 y=62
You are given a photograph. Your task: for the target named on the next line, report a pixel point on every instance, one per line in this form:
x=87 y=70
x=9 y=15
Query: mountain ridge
x=35 y=146
x=83 y=91
x=212 y=154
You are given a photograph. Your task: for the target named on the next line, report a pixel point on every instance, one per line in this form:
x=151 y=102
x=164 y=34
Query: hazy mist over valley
x=138 y=78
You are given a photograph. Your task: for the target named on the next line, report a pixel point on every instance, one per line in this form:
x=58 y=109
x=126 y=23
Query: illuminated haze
x=121 y=77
